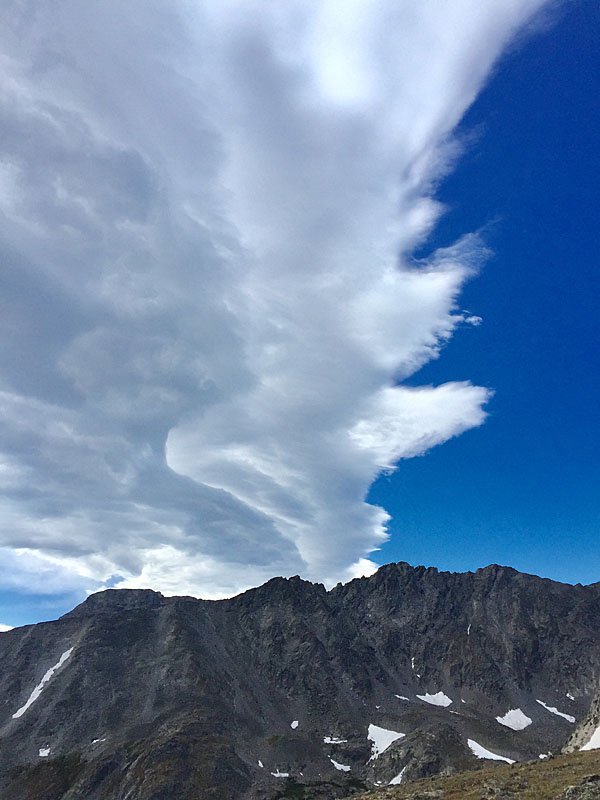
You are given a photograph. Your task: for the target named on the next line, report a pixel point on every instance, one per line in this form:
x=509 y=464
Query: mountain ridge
x=439 y=657
x=492 y=568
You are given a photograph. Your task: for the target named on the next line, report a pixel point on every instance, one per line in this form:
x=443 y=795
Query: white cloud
x=208 y=221
x=5 y=627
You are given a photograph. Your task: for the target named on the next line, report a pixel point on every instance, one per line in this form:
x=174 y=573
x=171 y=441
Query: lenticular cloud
x=207 y=215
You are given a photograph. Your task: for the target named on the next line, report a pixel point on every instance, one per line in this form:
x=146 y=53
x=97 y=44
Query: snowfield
x=341 y=767
x=482 y=752
x=398 y=779
x=555 y=711
x=438 y=699
x=514 y=719
x=594 y=742
x=382 y=739
x=38 y=689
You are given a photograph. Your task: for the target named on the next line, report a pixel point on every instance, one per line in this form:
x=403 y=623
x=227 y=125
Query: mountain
x=289 y=690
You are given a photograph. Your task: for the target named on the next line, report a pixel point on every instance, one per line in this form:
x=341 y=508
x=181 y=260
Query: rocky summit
x=289 y=690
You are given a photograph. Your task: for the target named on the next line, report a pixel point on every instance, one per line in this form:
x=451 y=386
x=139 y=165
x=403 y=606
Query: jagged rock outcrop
x=587 y=734
x=435 y=749
x=290 y=690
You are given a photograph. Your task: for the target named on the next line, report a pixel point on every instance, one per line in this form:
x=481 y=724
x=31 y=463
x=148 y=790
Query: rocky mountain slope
x=291 y=691
x=572 y=777
x=587 y=734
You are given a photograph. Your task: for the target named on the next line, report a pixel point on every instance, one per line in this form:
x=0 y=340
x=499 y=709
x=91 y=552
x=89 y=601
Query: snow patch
x=382 y=739
x=594 y=742
x=554 y=710
x=97 y=741
x=278 y=774
x=514 y=719
x=260 y=764
x=469 y=629
x=570 y=696
x=398 y=778
x=341 y=767
x=438 y=699
x=482 y=752
x=401 y=697
x=334 y=740
x=294 y=724
x=44 y=752
x=38 y=689
x=542 y=756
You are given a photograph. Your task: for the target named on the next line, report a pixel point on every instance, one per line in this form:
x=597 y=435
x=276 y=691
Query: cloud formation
x=207 y=216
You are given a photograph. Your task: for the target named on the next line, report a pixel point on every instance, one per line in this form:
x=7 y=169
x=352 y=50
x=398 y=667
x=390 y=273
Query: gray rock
x=587 y=789
x=426 y=751
x=179 y=697
x=587 y=727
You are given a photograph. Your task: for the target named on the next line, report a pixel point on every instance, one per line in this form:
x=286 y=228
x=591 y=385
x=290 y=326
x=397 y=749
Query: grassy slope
x=539 y=780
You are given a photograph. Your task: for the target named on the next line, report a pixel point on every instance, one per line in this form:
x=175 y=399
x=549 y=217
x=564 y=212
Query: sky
x=294 y=288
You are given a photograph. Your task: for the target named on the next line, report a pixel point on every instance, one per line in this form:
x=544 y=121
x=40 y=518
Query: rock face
x=587 y=734
x=291 y=691
x=433 y=749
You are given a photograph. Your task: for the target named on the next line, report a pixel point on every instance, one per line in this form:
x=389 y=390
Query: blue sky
x=255 y=256
x=523 y=489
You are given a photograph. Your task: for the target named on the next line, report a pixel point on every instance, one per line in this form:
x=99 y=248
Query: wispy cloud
x=207 y=216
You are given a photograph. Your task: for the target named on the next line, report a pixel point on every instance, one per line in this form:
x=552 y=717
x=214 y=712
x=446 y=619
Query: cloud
x=207 y=217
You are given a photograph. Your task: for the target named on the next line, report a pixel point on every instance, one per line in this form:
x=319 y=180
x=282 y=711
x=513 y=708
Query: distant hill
x=289 y=690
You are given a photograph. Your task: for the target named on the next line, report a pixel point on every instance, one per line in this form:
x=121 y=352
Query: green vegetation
x=50 y=778
x=293 y=789
x=312 y=791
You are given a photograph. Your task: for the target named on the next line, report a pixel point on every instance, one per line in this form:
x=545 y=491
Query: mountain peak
x=111 y=601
